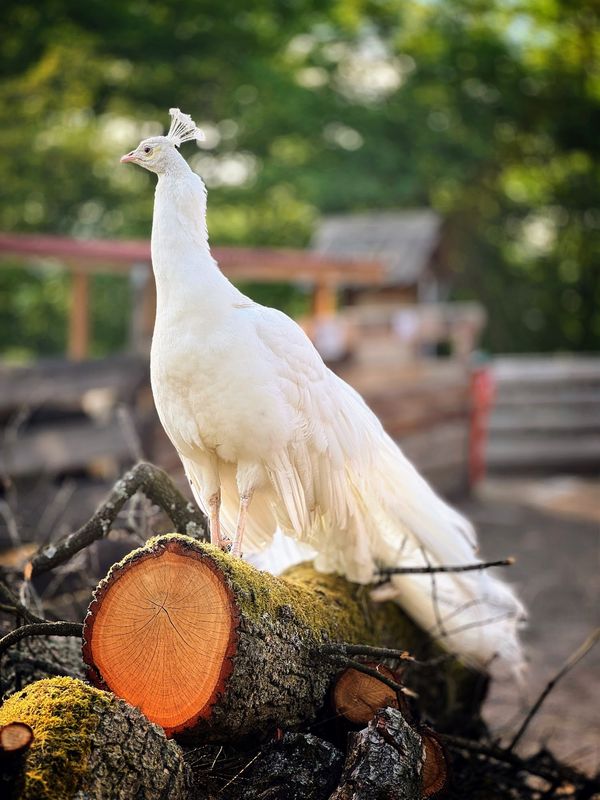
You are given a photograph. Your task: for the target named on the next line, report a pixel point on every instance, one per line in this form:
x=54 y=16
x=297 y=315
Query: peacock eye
x=147 y=149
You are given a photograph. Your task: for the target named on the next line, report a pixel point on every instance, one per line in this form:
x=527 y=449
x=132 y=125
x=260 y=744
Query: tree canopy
x=485 y=110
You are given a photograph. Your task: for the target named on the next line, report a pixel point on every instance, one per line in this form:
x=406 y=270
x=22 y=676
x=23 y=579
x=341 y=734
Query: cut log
x=211 y=648
x=434 y=776
x=15 y=738
x=357 y=696
x=384 y=761
x=87 y=743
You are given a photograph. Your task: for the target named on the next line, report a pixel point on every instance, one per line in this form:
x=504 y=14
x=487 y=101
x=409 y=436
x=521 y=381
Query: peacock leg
x=214 y=507
x=245 y=499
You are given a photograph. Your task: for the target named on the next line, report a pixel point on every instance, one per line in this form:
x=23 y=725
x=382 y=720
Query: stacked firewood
x=202 y=677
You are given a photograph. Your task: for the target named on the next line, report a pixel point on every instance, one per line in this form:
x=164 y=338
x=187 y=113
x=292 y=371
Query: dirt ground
x=552 y=527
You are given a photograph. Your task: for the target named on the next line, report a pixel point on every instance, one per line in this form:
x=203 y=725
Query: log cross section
x=163 y=634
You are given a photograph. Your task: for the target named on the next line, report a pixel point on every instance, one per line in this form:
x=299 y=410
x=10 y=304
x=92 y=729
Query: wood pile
x=546 y=415
x=226 y=651
x=213 y=680
x=61 y=416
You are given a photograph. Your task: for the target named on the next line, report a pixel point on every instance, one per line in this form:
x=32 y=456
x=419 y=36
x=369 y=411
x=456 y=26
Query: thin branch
x=573 y=659
x=241 y=772
x=130 y=434
x=506 y=756
x=40 y=629
x=343 y=649
x=11 y=523
x=435 y=600
x=145 y=477
x=478 y=623
x=54 y=511
x=12 y=605
x=431 y=570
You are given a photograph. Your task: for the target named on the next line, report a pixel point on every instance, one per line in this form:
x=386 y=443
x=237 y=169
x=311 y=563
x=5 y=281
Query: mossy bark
x=88 y=744
x=277 y=675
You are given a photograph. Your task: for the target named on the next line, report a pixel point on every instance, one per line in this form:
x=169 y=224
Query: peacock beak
x=129 y=157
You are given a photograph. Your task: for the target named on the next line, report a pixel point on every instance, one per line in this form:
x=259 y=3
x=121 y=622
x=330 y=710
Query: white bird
x=270 y=438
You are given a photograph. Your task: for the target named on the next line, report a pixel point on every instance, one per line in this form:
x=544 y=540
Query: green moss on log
x=64 y=714
x=381 y=624
x=89 y=744
x=325 y=604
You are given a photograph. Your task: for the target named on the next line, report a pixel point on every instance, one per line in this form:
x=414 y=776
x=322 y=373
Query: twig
x=40 y=629
x=505 y=756
x=12 y=605
x=435 y=600
x=130 y=434
x=478 y=623
x=11 y=523
x=573 y=659
x=54 y=510
x=341 y=648
x=235 y=777
x=431 y=570
x=155 y=484
x=215 y=759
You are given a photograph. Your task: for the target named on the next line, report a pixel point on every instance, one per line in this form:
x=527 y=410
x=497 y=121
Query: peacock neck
x=185 y=271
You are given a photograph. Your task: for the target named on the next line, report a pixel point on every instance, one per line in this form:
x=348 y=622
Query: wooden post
x=143 y=310
x=324 y=300
x=79 y=322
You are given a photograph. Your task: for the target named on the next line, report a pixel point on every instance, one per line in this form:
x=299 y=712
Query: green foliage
x=486 y=111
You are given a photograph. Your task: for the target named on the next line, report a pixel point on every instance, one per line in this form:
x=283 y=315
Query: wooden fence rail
x=547 y=414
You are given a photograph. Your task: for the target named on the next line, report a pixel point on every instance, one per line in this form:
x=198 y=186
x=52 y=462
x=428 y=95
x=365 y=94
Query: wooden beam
x=79 y=316
x=238 y=263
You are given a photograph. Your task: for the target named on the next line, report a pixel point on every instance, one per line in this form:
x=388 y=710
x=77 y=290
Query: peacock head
x=159 y=154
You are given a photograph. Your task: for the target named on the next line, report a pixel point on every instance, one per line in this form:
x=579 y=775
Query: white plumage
x=257 y=417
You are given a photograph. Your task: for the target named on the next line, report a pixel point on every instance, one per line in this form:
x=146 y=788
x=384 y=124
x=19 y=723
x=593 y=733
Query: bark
x=298 y=767
x=173 y=601
x=87 y=744
x=384 y=761
x=131 y=758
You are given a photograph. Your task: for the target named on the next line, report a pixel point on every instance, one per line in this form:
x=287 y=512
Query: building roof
x=403 y=241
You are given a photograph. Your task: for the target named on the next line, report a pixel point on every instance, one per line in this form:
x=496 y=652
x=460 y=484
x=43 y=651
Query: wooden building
x=407 y=243
x=405 y=314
